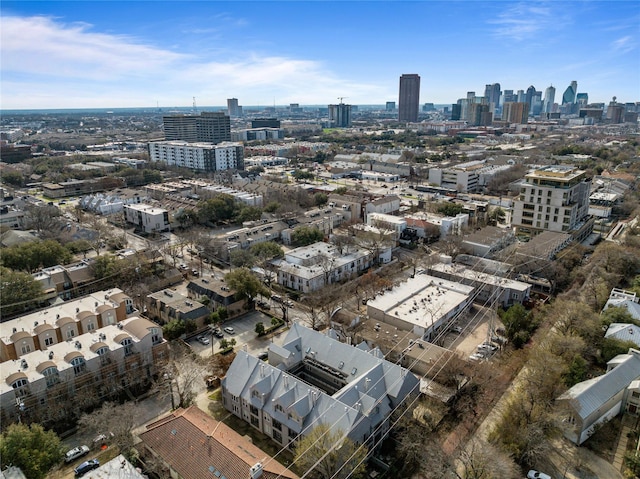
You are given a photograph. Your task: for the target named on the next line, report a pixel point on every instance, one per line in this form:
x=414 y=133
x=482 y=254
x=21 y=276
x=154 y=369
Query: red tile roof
x=195 y=445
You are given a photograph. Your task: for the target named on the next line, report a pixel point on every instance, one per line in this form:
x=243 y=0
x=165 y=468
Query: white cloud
x=61 y=65
x=523 y=21
x=624 y=44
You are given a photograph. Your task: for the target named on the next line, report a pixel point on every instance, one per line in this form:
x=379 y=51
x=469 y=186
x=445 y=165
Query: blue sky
x=108 y=54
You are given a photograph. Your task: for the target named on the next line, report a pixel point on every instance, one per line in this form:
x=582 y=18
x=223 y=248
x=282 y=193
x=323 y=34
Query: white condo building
x=552 y=198
x=198 y=156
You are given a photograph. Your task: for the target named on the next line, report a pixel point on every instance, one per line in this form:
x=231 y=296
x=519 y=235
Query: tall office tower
x=471 y=96
x=508 y=96
x=520 y=96
x=549 y=98
x=615 y=111
x=492 y=94
x=390 y=106
x=456 y=111
x=233 y=109
x=531 y=91
x=213 y=127
x=208 y=127
x=582 y=99
x=409 y=98
x=569 y=95
x=180 y=127
x=479 y=114
x=514 y=112
x=536 y=103
x=340 y=115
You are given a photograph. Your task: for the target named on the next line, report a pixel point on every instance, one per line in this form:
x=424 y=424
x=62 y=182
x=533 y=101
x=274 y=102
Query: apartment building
x=309 y=268
x=146 y=217
x=553 y=198
x=313 y=379
x=198 y=156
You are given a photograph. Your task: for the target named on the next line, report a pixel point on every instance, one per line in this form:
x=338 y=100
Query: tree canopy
x=31 y=448
x=245 y=284
x=18 y=290
x=30 y=257
x=306 y=235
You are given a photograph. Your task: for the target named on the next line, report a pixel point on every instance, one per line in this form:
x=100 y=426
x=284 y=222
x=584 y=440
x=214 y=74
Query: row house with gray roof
x=313 y=379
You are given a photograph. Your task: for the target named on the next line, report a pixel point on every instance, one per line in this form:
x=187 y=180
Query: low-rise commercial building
x=148 y=218
x=424 y=304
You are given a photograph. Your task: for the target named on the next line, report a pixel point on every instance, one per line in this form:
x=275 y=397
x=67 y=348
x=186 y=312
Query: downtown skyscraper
x=409 y=98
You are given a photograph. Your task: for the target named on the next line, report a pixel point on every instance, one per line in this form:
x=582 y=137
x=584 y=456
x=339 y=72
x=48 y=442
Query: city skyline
x=142 y=54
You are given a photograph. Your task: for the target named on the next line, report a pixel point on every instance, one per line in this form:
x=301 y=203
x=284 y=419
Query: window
x=277 y=436
x=70 y=333
x=48 y=341
x=128 y=346
x=277 y=425
x=51 y=375
x=91 y=326
x=21 y=387
x=26 y=348
x=279 y=408
x=104 y=355
x=254 y=410
x=79 y=365
x=255 y=422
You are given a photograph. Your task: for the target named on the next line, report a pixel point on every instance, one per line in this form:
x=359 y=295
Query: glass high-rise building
x=409 y=98
x=549 y=98
x=569 y=95
x=208 y=127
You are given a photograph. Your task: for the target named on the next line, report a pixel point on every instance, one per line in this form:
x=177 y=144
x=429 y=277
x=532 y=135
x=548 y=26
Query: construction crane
x=342 y=98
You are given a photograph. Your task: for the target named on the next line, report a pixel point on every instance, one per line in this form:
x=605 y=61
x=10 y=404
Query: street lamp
x=168 y=377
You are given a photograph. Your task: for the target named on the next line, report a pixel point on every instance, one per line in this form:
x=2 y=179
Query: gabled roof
x=588 y=396
x=624 y=332
x=195 y=445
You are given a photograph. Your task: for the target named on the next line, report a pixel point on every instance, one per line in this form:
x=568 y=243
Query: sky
x=111 y=54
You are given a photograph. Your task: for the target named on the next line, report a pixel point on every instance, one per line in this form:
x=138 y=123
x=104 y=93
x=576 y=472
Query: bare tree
x=482 y=460
x=181 y=376
x=43 y=219
x=116 y=419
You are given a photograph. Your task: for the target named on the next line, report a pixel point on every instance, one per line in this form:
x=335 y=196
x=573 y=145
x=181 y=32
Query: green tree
x=13 y=178
x=223 y=313
x=174 y=329
x=302 y=175
x=249 y=213
x=341 y=190
x=450 y=209
x=306 y=235
x=519 y=324
x=245 y=284
x=242 y=258
x=33 y=256
x=31 y=448
x=221 y=208
x=611 y=347
x=259 y=328
x=272 y=207
x=320 y=199
x=18 y=291
x=264 y=254
x=325 y=453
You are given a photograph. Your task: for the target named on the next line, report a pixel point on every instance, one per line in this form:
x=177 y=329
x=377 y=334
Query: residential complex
x=198 y=156
x=313 y=379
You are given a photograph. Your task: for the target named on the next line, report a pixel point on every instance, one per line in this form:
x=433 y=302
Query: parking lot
x=245 y=335
x=474 y=328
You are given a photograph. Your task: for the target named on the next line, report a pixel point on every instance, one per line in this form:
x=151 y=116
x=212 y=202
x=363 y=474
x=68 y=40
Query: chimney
x=255 y=472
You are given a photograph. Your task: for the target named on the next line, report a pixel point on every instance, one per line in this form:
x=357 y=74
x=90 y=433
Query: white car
x=229 y=330
x=533 y=474
x=75 y=453
x=203 y=340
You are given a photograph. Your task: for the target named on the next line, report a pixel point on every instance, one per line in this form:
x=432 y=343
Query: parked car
x=456 y=329
x=533 y=474
x=86 y=466
x=487 y=346
x=75 y=453
x=218 y=334
x=263 y=356
x=202 y=339
x=195 y=272
x=101 y=439
x=477 y=357
x=229 y=330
